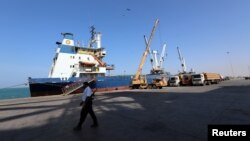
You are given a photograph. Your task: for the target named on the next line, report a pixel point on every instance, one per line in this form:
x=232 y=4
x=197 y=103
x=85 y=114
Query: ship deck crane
x=160 y=79
x=157 y=66
x=163 y=52
x=138 y=81
x=183 y=64
x=185 y=77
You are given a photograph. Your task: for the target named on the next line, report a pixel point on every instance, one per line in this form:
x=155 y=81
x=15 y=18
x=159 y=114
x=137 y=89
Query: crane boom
x=162 y=55
x=183 y=64
x=156 y=64
x=150 y=53
x=138 y=73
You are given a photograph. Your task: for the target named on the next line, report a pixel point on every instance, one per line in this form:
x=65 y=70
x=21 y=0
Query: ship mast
x=92 y=39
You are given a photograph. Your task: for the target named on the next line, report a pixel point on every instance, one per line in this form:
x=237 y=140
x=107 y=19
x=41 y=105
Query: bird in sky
x=128 y=9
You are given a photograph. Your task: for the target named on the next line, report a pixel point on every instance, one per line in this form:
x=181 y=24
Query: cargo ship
x=74 y=64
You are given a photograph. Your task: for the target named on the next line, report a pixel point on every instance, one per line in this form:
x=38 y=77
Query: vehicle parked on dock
x=186 y=79
x=205 y=78
x=174 y=81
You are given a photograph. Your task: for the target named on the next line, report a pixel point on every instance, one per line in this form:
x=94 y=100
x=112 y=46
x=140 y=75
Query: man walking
x=86 y=104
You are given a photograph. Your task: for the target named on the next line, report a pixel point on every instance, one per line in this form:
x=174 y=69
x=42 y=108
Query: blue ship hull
x=53 y=86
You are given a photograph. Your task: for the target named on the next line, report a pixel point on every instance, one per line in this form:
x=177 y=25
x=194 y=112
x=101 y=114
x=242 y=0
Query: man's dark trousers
x=87 y=108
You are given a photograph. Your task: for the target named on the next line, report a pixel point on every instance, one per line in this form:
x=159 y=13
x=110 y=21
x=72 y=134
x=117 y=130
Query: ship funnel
x=68 y=39
x=98 y=39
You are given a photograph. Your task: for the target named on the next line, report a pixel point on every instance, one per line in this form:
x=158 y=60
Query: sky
x=204 y=30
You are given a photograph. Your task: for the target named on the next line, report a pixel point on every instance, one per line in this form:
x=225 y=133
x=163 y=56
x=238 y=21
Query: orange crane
x=139 y=81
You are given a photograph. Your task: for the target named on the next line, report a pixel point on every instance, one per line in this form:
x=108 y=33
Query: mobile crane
x=139 y=81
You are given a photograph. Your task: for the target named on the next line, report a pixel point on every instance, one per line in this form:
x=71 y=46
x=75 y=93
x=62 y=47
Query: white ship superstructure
x=72 y=60
x=74 y=64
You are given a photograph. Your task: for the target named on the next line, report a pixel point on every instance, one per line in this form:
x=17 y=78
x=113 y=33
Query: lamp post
x=230 y=63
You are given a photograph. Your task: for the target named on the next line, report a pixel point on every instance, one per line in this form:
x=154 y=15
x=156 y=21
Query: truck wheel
x=143 y=86
x=209 y=83
x=204 y=83
x=178 y=85
x=135 y=87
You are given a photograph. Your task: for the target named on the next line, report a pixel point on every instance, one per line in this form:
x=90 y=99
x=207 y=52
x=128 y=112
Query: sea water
x=13 y=93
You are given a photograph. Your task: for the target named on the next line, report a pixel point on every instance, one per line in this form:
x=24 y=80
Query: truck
x=157 y=81
x=182 y=79
x=160 y=82
x=186 y=79
x=174 y=81
x=206 y=78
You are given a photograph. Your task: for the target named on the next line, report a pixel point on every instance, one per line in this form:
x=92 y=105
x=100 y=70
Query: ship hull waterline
x=49 y=89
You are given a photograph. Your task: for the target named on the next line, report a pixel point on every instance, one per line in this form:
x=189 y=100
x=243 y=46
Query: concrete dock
x=168 y=114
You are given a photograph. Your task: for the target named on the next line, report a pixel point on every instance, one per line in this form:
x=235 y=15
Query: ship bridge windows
x=87 y=50
x=67 y=49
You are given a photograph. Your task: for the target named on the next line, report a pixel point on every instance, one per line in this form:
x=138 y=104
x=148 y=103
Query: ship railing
x=71 y=88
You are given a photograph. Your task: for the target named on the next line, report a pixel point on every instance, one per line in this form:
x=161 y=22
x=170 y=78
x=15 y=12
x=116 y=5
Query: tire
x=209 y=83
x=154 y=87
x=149 y=86
x=178 y=85
x=204 y=83
x=143 y=86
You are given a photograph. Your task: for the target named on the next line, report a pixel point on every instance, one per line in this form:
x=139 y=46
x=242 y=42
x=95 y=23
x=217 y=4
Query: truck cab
x=198 y=79
x=174 y=81
x=186 y=79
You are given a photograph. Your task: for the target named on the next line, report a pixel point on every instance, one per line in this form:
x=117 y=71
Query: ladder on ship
x=68 y=89
x=102 y=64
